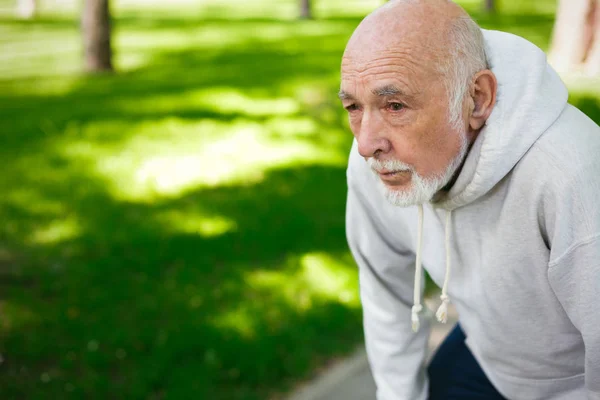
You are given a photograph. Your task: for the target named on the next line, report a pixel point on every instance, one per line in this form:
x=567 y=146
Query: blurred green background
x=175 y=230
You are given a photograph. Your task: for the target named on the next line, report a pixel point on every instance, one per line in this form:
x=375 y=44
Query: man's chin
x=404 y=187
x=402 y=196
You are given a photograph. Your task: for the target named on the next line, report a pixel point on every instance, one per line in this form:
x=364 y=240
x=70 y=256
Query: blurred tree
x=576 y=36
x=95 y=26
x=489 y=6
x=26 y=8
x=305 y=9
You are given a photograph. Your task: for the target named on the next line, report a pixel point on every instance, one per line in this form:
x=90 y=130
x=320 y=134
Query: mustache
x=389 y=165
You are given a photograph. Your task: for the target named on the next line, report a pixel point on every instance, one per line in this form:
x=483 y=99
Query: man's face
x=398 y=110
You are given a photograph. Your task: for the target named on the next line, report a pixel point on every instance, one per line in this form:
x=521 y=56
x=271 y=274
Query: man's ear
x=483 y=95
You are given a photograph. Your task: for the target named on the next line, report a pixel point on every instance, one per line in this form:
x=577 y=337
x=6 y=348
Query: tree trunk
x=490 y=6
x=575 y=34
x=95 y=25
x=592 y=62
x=305 y=9
x=26 y=8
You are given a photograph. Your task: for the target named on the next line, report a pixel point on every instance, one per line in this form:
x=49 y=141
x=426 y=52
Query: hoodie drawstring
x=417 y=307
x=442 y=312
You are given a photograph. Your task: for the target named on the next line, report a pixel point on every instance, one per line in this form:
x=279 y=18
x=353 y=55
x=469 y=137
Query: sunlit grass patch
x=170 y=156
x=58 y=230
x=222 y=101
x=35 y=201
x=229 y=100
x=311 y=278
x=304 y=282
x=242 y=321
x=199 y=223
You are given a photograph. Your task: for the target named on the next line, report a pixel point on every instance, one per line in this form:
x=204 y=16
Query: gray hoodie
x=522 y=229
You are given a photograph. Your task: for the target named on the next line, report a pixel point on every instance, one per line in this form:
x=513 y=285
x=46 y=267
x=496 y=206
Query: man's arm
x=575 y=278
x=386 y=272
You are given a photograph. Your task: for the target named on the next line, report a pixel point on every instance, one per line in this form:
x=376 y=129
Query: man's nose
x=371 y=136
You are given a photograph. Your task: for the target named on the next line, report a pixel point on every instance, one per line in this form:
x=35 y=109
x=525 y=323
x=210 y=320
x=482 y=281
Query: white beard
x=421 y=189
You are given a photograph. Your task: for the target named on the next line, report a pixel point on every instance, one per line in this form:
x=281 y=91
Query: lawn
x=176 y=230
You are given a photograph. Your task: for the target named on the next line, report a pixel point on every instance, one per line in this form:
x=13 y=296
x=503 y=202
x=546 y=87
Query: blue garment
x=454 y=374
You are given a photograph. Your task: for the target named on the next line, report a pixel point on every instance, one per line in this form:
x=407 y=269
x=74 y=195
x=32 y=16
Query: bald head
x=434 y=37
x=423 y=26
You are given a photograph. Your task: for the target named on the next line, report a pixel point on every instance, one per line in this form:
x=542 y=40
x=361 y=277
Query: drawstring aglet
x=442 y=312
x=416 y=309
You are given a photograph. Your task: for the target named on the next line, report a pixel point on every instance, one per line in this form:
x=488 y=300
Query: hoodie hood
x=530 y=97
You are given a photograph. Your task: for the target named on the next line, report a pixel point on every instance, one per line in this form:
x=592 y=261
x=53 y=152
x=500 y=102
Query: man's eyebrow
x=345 y=95
x=383 y=91
x=387 y=90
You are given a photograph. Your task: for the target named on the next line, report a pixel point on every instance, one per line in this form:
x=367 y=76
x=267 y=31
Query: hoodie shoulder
x=561 y=175
x=570 y=147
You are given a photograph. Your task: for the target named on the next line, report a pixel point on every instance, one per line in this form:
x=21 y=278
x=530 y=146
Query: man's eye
x=352 y=107
x=395 y=106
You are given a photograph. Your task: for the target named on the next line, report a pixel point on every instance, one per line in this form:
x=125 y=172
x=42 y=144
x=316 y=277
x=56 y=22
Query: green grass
x=176 y=230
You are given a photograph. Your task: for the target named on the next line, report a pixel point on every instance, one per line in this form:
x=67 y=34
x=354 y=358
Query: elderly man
x=469 y=161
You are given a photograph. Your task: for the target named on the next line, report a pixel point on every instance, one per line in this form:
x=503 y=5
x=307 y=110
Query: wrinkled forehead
x=407 y=67
x=403 y=41
x=403 y=49
x=399 y=57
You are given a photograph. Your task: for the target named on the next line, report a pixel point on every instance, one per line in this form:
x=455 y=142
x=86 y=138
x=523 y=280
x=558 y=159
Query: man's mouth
x=397 y=177
x=386 y=172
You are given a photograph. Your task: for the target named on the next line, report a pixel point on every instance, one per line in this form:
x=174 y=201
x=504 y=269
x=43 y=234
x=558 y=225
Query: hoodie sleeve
x=386 y=273
x=573 y=222
x=575 y=278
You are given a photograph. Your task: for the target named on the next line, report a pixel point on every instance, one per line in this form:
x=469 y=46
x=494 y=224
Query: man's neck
x=452 y=181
